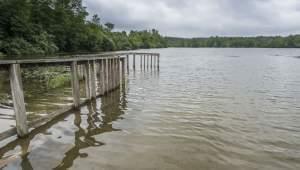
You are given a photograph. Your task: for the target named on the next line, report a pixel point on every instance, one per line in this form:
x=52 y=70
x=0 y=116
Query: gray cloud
x=195 y=18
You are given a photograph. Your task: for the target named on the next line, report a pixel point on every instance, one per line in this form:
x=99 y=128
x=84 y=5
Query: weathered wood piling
x=108 y=69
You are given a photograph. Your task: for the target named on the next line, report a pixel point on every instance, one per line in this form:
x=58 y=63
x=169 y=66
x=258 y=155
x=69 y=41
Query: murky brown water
x=204 y=109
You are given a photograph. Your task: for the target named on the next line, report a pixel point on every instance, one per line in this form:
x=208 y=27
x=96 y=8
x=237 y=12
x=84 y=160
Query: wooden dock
x=107 y=68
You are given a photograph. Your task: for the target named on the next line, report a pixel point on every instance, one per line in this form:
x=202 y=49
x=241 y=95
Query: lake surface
x=204 y=109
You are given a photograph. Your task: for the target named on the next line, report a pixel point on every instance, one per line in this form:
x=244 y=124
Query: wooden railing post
x=123 y=70
x=118 y=67
x=101 y=77
x=144 y=61
x=106 y=75
x=93 y=79
x=141 y=61
x=75 y=84
x=133 y=61
x=127 y=61
x=18 y=99
x=151 y=61
x=158 y=60
x=87 y=80
x=109 y=75
x=147 y=61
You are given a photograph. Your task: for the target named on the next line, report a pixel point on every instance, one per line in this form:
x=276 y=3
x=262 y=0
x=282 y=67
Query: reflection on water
x=204 y=109
x=94 y=119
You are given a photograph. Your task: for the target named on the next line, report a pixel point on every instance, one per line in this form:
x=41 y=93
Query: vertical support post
x=147 y=61
x=18 y=99
x=113 y=71
x=133 y=61
x=75 y=84
x=154 y=61
x=127 y=61
x=101 y=82
x=151 y=61
x=118 y=71
x=87 y=80
x=141 y=61
x=106 y=76
x=110 y=74
x=158 y=55
x=144 y=61
x=93 y=79
x=123 y=70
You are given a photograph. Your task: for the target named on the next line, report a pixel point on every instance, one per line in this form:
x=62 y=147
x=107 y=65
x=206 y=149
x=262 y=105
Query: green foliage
x=50 y=26
x=59 y=81
x=292 y=41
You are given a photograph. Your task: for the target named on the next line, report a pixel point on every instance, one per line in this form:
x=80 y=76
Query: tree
x=110 y=26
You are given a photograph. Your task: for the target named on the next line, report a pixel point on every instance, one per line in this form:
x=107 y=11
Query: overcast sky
x=201 y=18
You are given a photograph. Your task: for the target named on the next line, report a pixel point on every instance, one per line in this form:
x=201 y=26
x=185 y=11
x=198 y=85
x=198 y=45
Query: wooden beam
x=18 y=99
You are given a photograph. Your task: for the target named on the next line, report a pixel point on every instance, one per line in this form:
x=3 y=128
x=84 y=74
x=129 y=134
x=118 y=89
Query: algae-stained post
x=75 y=84
x=18 y=99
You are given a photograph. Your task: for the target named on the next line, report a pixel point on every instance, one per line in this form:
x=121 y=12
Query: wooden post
x=87 y=80
x=110 y=74
x=151 y=61
x=118 y=66
x=158 y=55
x=106 y=75
x=147 y=61
x=101 y=82
x=144 y=61
x=75 y=84
x=113 y=76
x=93 y=79
x=127 y=61
x=18 y=99
x=154 y=61
x=141 y=61
x=133 y=61
x=123 y=70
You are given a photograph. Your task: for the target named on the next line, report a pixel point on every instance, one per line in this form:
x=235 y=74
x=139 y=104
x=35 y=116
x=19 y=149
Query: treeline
x=51 y=26
x=292 y=41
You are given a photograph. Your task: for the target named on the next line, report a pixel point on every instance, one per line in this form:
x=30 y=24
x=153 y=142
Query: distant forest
x=292 y=41
x=57 y=26
x=52 y=26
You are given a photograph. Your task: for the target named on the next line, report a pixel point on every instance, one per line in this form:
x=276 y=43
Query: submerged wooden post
x=18 y=99
x=75 y=84
x=87 y=80
x=127 y=61
x=133 y=61
x=93 y=79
